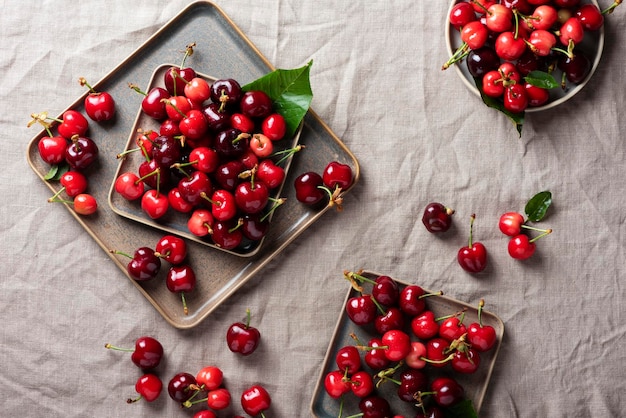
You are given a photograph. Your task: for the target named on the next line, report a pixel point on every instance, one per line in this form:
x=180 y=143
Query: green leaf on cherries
x=542 y=79
x=463 y=409
x=538 y=205
x=55 y=172
x=516 y=118
x=290 y=90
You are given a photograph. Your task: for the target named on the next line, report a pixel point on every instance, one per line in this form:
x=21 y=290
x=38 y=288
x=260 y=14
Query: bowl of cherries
x=525 y=55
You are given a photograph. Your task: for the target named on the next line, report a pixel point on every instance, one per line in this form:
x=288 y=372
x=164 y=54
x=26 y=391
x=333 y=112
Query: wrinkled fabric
x=419 y=135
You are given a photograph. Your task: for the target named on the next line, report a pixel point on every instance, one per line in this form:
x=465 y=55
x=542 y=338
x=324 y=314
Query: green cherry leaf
x=56 y=171
x=538 y=205
x=290 y=90
x=516 y=118
x=542 y=79
x=463 y=409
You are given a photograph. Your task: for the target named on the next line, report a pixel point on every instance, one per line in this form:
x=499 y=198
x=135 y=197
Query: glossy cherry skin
x=474 y=34
x=398 y=344
x=261 y=145
x=227 y=174
x=255 y=400
x=508 y=47
x=590 y=17
x=481 y=61
x=52 y=149
x=100 y=106
x=461 y=14
x=411 y=301
x=144 y=264
x=154 y=204
x=481 y=337
x=226 y=91
x=425 y=326
x=148 y=353
x=176 y=78
x=153 y=105
x=337 y=174
x=537 y=96
x=152 y=174
x=242 y=122
x=375 y=357
x=177 y=202
x=411 y=382
x=335 y=384
x=74 y=183
x=274 y=127
x=436 y=350
x=210 y=376
x=437 y=217
x=510 y=223
x=200 y=222
x=375 y=407
x=575 y=68
x=254 y=227
x=149 y=387
x=452 y=329
x=81 y=153
x=181 y=278
x=473 y=259
x=269 y=173
x=73 y=123
x=348 y=359
x=307 y=188
x=466 y=361
x=415 y=358
x=256 y=104
x=448 y=392
x=242 y=338
x=178 y=387
x=171 y=248
x=231 y=143
x=251 y=197
x=194 y=187
x=129 y=186
x=166 y=150
x=392 y=319
x=520 y=247
x=216 y=120
x=361 y=309
x=226 y=235
x=385 y=290
x=85 y=204
x=361 y=384
x=204 y=159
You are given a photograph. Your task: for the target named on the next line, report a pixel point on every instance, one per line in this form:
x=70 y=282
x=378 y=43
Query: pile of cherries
x=408 y=347
x=145 y=264
x=206 y=387
x=72 y=152
x=505 y=40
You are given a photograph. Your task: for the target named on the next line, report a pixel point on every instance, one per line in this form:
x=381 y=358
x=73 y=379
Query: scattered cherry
x=148 y=387
x=243 y=338
x=146 y=354
x=473 y=257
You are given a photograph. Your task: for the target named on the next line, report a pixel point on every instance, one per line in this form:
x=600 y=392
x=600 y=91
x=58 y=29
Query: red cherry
x=261 y=145
x=335 y=384
x=385 y=290
x=437 y=217
x=256 y=104
x=544 y=17
x=361 y=309
x=153 y=104
x=242 y=122
x=243 y=338
x=171 y=248
x=336 y=174
x=129 y=186
x=448 y=391
x=180 y=387
x=154 y=204
x=590 y=17
x=474 y=34
x=146 y=354
x=255 y=400
x=149 y=387
x=81 y=153
x=537 y=96
x=271 y=174
x=452 y=329
x=52 y=149
x=177 y=202
x=74 y=183
x=226 y=92
x=223 y=205
x=211 y=377
x=181 y=279
x=251 y=197
x=571 y=31
x=205 y=413
x=144 y=264
x=461 y=14
x=415 y=358
x=361 y=384
x=348 y=359
x=308 y=190
x=274 y=126
x=398 y=344
x=520 y=247
x=72 y=123
x=510 y=47
x=218 y=399
x=375 y=357
x=176 y=78
x=204 y=159
x=194 y=125
x=85 y=204
x=226 y=234
x=493 y=84
x=437 y=352
x=424 y=326
x=200 y=222
x=195 y=187
x=197 y=90
x=541 y=42
x=499 y=18
x=393 y=318
x=481 y=337
x=510 y=223
x=99 y=106
x=515 y=98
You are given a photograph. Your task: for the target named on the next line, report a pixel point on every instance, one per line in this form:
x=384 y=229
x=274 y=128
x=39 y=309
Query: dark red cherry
x=231 y=143
x=308 y=190
x=81 y=153
x=256 y=104
x=227 y=92
x=217 y=120
x=481 y=61
x=179 y=387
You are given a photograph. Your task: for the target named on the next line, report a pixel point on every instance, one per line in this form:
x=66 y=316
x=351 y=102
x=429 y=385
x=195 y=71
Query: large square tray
x=222 y=51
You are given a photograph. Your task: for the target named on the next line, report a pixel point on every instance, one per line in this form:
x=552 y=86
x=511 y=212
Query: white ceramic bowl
x=593 y=44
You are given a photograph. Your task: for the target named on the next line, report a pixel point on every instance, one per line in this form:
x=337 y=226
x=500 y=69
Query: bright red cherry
x=361 y=309
x=375 y=357
x=176 y=78
x=146 y=354
x=461 y=14
x=218 y=399
x=481 y=337
x=590 y=17
x=85 y=204
x=211 y=377
x=274 y=126
x=200 y=222
x=515 y=98
x=129 y=186
x=511 y=223
x=348 y=359
x=336 y=175
x=227 y=234
x=474 y=34
x=251 y=196
x=243 y=338
x=52 y=149
x=499 y=18
x=520 y=247
x=72 y=123
x=255 y=400
x=261 y=145
x=197 y=90
x=181 y=279
x=571 y=31
x=148 y=387
x=473 y=257
x=452 y=329
x=335 y=384
x=466 y=361
x=361 y=383
x=154 y=203
x=99 y=106
x=271 y=174
x=171 y=248
x=398 y=344
x=308 y=190
x=425 y=326
x=74 y=183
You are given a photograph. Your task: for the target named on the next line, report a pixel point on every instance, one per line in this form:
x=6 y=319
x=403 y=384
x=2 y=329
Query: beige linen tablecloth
x=419 y=135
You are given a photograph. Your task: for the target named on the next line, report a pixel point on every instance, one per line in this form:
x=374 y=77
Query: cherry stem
x=223 y=102
x=248 y=315
x=532 y=228
x=137 y=89
x=40 y=118
x=120 y=253
x=277 y=203
x=352 y=278
x=83 y=82
x=188 y=53
x=133 y=400
x=546 y=232
x=334 y=197
x=234 y=228
x=54 y=198
x=460 y=53
x=288 y=153
x=185 y=308
x=612 y=7
x=112 y=347
x=481 y=305
x=472 y=218
x=427 y=295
